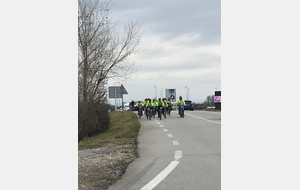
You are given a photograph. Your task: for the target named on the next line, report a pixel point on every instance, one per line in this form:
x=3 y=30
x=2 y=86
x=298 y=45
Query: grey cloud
x=170 y=21
x=171 y=18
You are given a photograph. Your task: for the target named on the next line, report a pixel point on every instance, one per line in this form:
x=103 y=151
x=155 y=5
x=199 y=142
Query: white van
x=126 y=106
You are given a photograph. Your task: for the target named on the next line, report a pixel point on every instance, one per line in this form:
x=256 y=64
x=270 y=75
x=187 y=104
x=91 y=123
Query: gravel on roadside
x=100 y=168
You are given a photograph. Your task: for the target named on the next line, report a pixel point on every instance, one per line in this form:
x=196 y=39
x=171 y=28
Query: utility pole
x=155 y=92
x=186 y=91
x=116 y=95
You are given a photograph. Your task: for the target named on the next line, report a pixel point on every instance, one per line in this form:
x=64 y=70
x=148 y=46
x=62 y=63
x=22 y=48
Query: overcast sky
x=260 y=60
x=180 y=47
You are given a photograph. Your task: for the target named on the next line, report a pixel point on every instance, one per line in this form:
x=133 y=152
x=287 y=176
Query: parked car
x=189 y=105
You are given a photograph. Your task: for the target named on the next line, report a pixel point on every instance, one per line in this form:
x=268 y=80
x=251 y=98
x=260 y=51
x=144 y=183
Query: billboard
x=171 y=93
x=218 y=99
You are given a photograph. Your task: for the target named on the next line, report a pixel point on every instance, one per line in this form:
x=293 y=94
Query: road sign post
x=117 y=92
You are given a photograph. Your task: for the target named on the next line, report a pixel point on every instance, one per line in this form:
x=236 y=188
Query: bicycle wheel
x=160 y=114
x=147 y=113
x=180 y=112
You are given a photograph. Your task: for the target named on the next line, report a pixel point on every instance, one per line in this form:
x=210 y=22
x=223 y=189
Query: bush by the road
x=93 y=119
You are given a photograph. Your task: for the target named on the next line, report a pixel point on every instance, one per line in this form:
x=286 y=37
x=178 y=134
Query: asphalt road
x=177 y=153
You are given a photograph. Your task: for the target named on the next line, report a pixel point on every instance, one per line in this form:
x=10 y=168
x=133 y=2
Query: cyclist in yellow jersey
x=181 y=104
x=140 y=104
x=146 y=101
x=165 y=106
x=160 y=103
x=169 y=106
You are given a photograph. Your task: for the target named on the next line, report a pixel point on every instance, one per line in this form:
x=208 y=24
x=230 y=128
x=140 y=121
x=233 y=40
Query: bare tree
x=209 y=101
x=102 y=52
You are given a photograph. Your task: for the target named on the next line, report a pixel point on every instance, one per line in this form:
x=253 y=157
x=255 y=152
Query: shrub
x=93 y=118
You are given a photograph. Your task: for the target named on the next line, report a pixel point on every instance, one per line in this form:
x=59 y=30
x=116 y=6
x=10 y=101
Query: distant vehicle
x=126 y=106
x=189 y=105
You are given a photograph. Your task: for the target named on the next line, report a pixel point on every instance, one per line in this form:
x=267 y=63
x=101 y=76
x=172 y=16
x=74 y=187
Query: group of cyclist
x=160 y=107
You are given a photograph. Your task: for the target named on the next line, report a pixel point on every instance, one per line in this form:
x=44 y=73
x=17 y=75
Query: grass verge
x=122 y=130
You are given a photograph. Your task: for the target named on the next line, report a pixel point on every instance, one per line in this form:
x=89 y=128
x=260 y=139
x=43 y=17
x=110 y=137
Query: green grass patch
x=122 y=130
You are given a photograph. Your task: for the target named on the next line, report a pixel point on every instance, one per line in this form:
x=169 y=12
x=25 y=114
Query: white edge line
x=161 y=176
x=203 y=119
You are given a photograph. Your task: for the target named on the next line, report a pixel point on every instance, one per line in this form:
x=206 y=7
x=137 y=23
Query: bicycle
x=146 y=111
x=149 y=110
x=153 y=111
x=140 y=113
x=181 y=111
x=164 y=112
x=159 y=112
x=169 y=110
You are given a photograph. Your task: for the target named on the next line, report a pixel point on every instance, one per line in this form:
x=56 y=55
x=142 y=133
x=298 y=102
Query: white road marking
x=178 y=154
x=161 y=125
x=165 y=129
x=170 y=135
x=175 y=142
x=163 y=174
x=203 y=118
x=158 y=123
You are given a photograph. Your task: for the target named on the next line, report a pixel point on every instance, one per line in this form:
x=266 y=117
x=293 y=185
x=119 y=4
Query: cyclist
x=131 y=104
x=154 y=104
x=145 y=106
x=181 y=104
x=169 y=105
x=149 y=105
x=160 y=104
x=165 y=106
x=140 y=104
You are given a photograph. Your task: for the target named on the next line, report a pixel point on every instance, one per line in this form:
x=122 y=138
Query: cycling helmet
x=159 y=99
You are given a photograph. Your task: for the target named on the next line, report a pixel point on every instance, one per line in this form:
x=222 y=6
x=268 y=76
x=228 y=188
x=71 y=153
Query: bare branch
x=102 y=52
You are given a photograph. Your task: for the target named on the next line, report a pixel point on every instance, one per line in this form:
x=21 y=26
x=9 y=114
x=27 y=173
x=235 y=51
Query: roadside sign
x=171 y=93
x=123 y=90
x=116 y=91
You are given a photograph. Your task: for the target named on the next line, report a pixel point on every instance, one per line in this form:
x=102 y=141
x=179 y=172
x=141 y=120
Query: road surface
x=177 y=153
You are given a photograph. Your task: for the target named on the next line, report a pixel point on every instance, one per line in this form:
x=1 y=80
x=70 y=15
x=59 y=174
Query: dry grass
x=122 y=130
